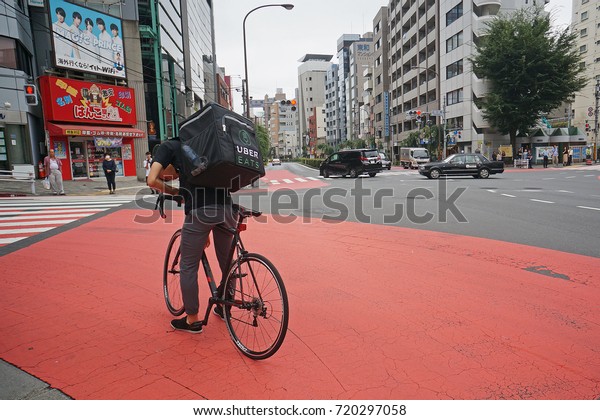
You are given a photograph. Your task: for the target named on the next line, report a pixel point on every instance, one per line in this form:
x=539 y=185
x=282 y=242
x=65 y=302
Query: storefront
x=86 y=120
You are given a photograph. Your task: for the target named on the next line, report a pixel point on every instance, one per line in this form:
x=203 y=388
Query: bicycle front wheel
x=171 y=271
x=256 y=313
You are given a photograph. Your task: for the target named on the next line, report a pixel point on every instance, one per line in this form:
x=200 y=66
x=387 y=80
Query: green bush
x=313 y=163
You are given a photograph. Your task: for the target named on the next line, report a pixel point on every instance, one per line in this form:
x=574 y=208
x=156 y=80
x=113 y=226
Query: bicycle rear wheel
x=171 y=270
x=257 y=312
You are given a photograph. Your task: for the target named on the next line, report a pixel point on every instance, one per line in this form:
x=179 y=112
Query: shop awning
x=93 y=130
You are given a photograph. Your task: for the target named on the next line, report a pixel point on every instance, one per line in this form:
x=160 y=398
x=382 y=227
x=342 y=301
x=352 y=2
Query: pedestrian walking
x=110 y=170
x=530 y=159
x=53 y=167
x=565 y=159
x=555 y=156
x=147 y=165
x=570 y=161
x=545 y=155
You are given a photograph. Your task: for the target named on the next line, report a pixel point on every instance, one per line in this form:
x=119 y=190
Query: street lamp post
x=247 y=97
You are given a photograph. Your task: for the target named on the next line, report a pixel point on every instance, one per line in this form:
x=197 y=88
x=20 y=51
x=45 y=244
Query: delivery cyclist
x=205 y=208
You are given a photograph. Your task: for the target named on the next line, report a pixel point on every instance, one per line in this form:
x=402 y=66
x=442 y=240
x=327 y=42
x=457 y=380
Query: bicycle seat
x=244 y=211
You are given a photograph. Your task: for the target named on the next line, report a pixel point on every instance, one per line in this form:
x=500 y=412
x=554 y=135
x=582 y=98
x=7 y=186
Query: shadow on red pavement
x=373 y=316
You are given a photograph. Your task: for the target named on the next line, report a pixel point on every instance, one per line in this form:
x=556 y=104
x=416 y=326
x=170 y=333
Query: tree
x=531 y=69
x=264 y=144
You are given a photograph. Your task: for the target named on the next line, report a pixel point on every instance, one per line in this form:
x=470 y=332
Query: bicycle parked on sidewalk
x=251 y=292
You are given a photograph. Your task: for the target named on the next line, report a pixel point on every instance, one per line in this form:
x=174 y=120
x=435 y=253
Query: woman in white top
x=53 y=167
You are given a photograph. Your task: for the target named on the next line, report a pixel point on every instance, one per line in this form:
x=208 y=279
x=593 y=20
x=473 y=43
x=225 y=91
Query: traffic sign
x=437 y=113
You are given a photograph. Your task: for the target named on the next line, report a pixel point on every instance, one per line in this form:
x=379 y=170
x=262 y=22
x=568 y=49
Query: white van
x=412 y=157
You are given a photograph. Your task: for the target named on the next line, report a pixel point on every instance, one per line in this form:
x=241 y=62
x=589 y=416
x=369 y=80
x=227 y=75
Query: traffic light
x=31 y=95
x=291 y=103
x=587 y=126
x=414 y=113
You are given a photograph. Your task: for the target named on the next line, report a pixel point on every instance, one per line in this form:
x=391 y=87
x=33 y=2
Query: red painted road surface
x=373 y=316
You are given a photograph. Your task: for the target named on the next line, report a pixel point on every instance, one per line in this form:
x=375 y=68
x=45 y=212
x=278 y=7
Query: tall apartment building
x=430 y=45
x=333 y=131
x=381 y=84
x=414 y=61
x=311 y=89
x=20 y=124
x=586 y=23
x=343 y=84
x=199 y=61
x=281 y=116
x=360 y=65
x=316 y=130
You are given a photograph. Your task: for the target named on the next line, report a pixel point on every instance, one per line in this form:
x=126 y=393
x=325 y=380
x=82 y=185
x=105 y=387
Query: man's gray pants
x=194 y=234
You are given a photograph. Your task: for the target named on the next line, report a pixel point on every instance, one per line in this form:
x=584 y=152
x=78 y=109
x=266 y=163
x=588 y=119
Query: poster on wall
x=86 y=40
x=127 y=152
x=60 y=149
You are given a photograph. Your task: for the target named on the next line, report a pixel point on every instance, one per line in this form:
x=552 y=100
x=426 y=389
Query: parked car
x=276 y=161
x=474 y=164
x=351 y=162
x=385 y=162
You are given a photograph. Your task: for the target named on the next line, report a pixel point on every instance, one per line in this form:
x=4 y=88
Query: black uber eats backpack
x=220 y=149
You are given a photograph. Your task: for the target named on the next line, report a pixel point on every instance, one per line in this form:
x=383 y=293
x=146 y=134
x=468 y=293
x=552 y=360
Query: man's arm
x=157 y=176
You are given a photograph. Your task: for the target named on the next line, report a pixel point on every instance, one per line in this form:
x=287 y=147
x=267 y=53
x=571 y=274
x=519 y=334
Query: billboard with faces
x=86 y=40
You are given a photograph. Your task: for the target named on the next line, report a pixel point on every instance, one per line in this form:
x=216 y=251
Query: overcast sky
x=276 y=38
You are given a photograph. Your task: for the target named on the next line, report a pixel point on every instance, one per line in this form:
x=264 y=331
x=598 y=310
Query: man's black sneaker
x=182 y=325
x=218 y=311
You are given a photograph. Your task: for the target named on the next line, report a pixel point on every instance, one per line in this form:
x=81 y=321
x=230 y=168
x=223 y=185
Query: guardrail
x=19 y=176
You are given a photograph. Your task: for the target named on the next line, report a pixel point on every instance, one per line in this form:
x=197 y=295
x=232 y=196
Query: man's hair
x=89 y=21
x=114 y=27
x=61 y=11
x=76 y=15
x=100 y=21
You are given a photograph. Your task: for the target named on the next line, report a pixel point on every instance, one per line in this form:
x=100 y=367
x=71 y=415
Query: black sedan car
x=473 y=164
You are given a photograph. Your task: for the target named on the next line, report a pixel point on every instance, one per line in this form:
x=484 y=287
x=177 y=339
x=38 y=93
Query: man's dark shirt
x=194 y=197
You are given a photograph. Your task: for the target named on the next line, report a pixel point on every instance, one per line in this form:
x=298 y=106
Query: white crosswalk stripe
x=21 y=218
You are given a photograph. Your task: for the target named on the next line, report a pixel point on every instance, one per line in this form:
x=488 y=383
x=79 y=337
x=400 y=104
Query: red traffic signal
x=31 y=95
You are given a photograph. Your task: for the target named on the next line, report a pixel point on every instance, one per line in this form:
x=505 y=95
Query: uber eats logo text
x=244 y=155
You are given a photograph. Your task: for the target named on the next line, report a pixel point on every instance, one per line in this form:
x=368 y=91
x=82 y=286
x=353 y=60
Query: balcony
x=368 y=85
x=488 y=3
x=480 y=24
x=477 y=116
x=479 y=87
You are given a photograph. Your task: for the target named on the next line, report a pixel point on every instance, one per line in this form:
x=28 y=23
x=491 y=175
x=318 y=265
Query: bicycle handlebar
x=160 y=202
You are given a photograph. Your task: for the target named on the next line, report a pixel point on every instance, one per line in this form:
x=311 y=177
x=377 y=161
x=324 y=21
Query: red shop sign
x=87 y=102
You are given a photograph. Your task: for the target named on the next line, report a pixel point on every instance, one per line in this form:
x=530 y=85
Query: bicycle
x=251 y=292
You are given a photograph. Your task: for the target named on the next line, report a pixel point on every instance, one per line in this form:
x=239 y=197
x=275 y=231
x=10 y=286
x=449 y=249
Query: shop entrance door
x=79 y=163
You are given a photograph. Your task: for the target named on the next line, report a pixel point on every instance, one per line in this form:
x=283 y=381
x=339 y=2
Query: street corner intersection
x=372 y=316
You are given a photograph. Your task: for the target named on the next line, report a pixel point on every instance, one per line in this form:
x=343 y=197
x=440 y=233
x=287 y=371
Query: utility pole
x=444 y=133
x=596 y=110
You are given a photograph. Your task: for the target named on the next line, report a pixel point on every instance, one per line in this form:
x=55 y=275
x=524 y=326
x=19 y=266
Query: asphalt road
x=554 y=208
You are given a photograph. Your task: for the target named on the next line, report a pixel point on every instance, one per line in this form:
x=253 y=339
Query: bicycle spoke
x=257 y=315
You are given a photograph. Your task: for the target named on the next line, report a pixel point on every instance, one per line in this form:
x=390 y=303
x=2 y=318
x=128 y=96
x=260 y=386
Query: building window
x=454 y=42
x=584 y=1
x=583 y=49
x=454 y=69
x=583 y=33
x=454 y=97
x=584 y=16
x=454 y=13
